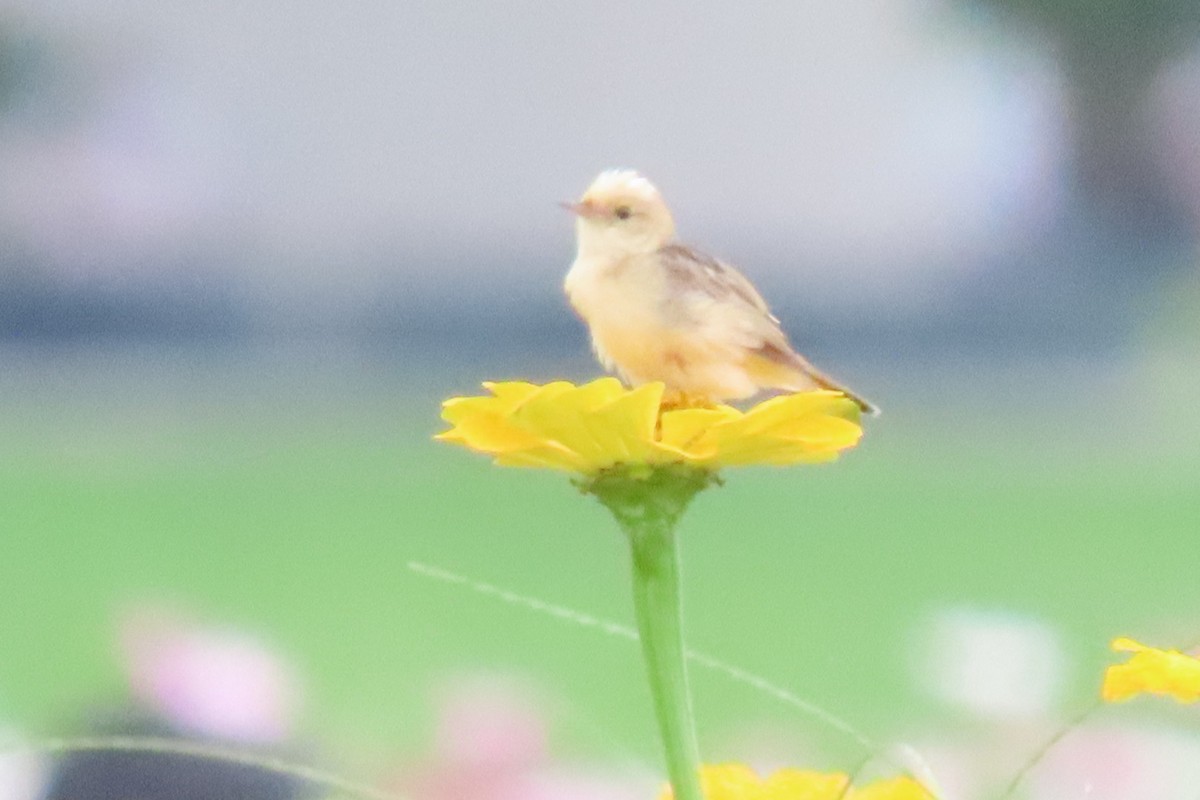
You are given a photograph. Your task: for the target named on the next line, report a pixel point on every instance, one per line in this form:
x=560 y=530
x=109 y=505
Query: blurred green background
x=178 y=475
x=246 y=252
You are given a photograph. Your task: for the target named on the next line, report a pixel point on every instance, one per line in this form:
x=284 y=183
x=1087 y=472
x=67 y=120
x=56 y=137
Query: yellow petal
x=738 y=443
x=802 y=405
x=590 y=427
x=600 y=422
x=686 y=431
x=724 y=782
x=456 y=409
x=626 y=425
x=798 y=428
x=795 y=784
x=730 y=782
x=1120 y=683
x=549 y=456
x=559 y=417
x=1151 y=671
x=510 y=392
x=491 y=433
x=901 y=788
x=739 y=782
x=506 y=396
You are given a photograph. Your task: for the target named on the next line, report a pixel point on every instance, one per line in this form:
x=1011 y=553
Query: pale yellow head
x=621 y=213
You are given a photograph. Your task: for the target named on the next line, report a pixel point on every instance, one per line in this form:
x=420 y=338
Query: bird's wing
x=691 y=270
x=716 y=298
x=717 y=304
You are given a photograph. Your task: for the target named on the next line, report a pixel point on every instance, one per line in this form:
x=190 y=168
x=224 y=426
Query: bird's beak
x=584 y=209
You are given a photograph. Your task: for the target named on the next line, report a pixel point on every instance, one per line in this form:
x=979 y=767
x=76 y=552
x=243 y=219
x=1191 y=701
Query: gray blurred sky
x=324 y=148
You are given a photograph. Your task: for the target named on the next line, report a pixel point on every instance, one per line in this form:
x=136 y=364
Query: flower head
x=1167 y=672
x=739 y=782
x=588 y=428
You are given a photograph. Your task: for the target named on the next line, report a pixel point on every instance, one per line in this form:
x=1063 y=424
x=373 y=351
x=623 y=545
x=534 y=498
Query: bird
x=659 y=310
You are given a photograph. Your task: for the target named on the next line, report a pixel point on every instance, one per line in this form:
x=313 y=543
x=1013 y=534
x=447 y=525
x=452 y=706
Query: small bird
x=660 y=311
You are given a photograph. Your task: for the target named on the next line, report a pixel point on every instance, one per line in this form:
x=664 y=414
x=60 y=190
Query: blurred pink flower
x=1118 y=763
x=22 y=773
x=209 y=681
x=492 y=743
x=485 y=724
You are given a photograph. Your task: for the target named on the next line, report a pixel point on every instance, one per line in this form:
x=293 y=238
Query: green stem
x=647 y=503
x=656 y=603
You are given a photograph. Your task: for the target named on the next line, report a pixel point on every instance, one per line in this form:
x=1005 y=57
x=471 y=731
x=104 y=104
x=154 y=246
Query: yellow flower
x=738 y=782
x=1152 y=671
x=901 y=788
x=600 y=424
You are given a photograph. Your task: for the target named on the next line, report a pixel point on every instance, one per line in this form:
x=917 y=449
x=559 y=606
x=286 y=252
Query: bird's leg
x=674 y=399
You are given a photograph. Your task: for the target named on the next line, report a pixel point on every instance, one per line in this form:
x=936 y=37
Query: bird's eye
x=623 y=212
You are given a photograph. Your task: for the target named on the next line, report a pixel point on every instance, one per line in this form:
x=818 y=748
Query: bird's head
x=621 y=213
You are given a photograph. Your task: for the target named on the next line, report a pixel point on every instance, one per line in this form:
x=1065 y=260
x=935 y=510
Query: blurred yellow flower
x=589 y=428
x=1151 y=671
x=739 y=782
x=900 y=788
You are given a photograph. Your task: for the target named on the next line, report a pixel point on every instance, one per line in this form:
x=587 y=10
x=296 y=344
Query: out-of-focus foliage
x=1141 y=30
x=1112 y=52
x=26 y=64
x=10 y=66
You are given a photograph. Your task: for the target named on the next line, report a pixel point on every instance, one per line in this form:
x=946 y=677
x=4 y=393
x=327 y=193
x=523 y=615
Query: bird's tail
x=780 y=368
x=825 y=382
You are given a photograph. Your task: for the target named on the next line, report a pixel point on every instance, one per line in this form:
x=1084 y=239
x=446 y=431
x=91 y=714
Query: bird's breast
x=615 y=292
x=621 y=301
